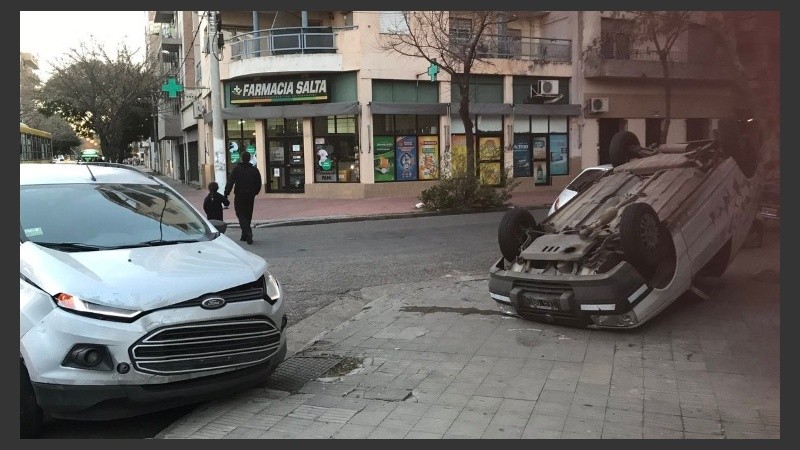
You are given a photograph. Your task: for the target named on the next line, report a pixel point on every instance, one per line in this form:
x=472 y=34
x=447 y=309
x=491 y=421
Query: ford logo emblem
x=213 y=303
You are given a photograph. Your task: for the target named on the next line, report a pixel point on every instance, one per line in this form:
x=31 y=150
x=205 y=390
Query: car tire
x=641 y=235
x=743 y=149
x=619 y=150
x=511 y=232
x=31 y=415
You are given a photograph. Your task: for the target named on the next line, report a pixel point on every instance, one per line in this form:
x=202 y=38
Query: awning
x=408 y=108
x=547 y=110
x=484 y=108
x=288 y=111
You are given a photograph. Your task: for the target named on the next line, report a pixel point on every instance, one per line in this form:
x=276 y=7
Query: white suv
x=131 y=301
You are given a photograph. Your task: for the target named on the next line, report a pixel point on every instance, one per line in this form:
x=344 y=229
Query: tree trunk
x=667 y=100
x=466 y=119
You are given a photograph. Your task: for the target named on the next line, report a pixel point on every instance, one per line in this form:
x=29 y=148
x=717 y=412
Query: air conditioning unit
x=547 y=87
x=598 y=104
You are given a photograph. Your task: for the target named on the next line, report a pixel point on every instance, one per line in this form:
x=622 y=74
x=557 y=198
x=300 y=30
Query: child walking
x=213 y=202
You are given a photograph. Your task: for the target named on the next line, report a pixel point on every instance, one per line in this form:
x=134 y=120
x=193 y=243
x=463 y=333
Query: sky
x=51 y=34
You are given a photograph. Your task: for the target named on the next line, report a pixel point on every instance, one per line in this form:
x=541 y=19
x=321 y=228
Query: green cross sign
x=172 y=87
x=433 y=70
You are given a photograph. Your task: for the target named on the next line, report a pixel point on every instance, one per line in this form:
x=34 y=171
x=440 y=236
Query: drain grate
x=296 y=371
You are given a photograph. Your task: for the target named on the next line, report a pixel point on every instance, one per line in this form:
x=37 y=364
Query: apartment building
x=327 y=112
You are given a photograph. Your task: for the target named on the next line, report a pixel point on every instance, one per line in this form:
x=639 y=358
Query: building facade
x=327 y=112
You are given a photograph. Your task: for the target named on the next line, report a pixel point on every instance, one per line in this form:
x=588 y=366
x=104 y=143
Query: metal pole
x=256 y=40
x=220 y=172
x=303 y=19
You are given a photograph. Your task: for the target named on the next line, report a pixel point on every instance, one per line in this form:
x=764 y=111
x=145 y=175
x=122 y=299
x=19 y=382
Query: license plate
x=539 y=302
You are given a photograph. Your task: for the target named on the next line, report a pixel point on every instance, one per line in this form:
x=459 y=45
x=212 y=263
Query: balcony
x=632 y=63
x=168 y=38
x=164 y=16
x=523 y=48
x=283 y=41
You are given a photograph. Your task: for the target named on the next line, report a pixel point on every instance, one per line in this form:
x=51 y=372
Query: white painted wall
x=591 y=143
x=677 y=131
x=638 y=127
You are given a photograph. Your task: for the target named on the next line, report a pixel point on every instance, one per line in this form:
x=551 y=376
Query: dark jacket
x=244 y=179
x=212 y=205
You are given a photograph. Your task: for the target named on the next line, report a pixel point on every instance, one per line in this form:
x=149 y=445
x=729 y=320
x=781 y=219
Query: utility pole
x=220 y=153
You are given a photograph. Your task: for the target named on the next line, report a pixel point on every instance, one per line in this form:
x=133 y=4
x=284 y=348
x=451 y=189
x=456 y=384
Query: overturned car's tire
x=642 y=237
x=511 y=233
x=619 y=150
x=30 y=414
x=742 y=148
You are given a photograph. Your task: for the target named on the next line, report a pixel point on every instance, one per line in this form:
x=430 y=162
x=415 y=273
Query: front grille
x=202 y=346
x=246 y=292
x=554 y=292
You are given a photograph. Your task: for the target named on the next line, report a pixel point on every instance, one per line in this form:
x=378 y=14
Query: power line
x=191 y=45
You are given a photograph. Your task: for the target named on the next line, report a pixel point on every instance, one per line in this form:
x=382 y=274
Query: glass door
x=286 y=170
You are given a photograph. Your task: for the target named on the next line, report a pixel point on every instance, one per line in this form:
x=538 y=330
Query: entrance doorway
x=608 y=128
x=285 y=165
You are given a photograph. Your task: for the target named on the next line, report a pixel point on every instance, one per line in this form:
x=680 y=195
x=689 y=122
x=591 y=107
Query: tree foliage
x=428 y=35
x=103 y=96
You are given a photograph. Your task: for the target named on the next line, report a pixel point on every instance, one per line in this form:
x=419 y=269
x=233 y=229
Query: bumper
x=606 y=300
x=107 y=402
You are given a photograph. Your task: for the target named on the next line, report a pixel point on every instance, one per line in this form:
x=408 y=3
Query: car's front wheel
x=30 y=414
x=512 y=232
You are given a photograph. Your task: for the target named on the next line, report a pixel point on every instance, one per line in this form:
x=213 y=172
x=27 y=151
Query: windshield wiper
x=72 y=246
x=157 y=242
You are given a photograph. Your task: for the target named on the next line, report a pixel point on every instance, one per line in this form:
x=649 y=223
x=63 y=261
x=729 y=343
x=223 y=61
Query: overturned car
x=638 y=238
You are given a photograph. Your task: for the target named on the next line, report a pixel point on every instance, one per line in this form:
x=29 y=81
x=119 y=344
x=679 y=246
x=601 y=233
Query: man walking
x=245 y=182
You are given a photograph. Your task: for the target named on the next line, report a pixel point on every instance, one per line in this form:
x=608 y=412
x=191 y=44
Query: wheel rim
x=648 y=232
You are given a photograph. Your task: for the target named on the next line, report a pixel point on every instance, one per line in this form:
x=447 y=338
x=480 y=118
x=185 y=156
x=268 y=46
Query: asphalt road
x=318 y=264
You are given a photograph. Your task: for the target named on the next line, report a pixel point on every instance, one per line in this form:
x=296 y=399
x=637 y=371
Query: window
x=615 y=41
x=698 y=129
x=488 y=148
x=336 y=150
x=393 y=22
x=406 y=147
x=241 y=136
x=543 y=151
x=460 y=30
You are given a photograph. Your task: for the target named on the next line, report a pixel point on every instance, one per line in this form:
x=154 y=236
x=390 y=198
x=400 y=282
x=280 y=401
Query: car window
x=107 y=215
x=585 y=179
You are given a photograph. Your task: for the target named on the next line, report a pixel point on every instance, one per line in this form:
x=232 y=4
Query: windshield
x=85 y=217
x=585 y=179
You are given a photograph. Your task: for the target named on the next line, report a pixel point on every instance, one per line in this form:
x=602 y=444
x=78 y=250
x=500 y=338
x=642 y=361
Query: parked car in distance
x=578 y=185
x=636 y=238
x=131 y=301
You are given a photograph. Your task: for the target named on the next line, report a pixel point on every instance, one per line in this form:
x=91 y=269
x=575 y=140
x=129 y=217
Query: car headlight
x=77 y=305
x=272 y=288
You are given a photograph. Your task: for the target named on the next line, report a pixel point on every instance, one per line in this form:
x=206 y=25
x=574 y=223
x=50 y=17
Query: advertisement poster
x=489 y=148
x=252 y=150
x=429 y=157
x=540 y=147
x=406 y=158
x=558 y=154
x=540 y=172
x=325 y=168
x=233 y=151
x=384 y=158
x=458 y=155
x=522 y=156
x=489 y=173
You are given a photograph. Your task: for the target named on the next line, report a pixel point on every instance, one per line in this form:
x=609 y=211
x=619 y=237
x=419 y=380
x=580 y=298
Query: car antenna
x=90 y=172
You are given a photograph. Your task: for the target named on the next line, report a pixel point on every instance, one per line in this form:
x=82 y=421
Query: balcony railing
x=283 y=41
x=524 y=48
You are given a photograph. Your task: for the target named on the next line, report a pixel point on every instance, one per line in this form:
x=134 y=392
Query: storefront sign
x=406 y=158
x=282 y=91
x=384 y=158
x=429 y=157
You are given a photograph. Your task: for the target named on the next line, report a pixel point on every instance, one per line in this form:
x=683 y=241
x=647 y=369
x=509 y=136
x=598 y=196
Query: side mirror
x=220 y=225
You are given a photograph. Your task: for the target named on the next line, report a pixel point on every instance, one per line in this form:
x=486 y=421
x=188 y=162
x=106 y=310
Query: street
x=320 y=264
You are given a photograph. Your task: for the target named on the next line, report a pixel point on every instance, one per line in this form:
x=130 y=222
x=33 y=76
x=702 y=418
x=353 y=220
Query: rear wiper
x=72 y=246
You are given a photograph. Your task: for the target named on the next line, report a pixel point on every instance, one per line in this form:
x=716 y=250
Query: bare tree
x=658 y=30
x=110 y=98
x=429 y=35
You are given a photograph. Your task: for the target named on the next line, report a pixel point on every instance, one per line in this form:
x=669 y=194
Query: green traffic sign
x=172 y=87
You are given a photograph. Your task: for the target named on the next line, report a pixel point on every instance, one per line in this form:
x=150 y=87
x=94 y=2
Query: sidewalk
x=287 y=211
x=436 y=359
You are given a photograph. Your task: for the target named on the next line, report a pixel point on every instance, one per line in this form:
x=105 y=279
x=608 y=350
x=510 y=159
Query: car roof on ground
x=30 y=174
